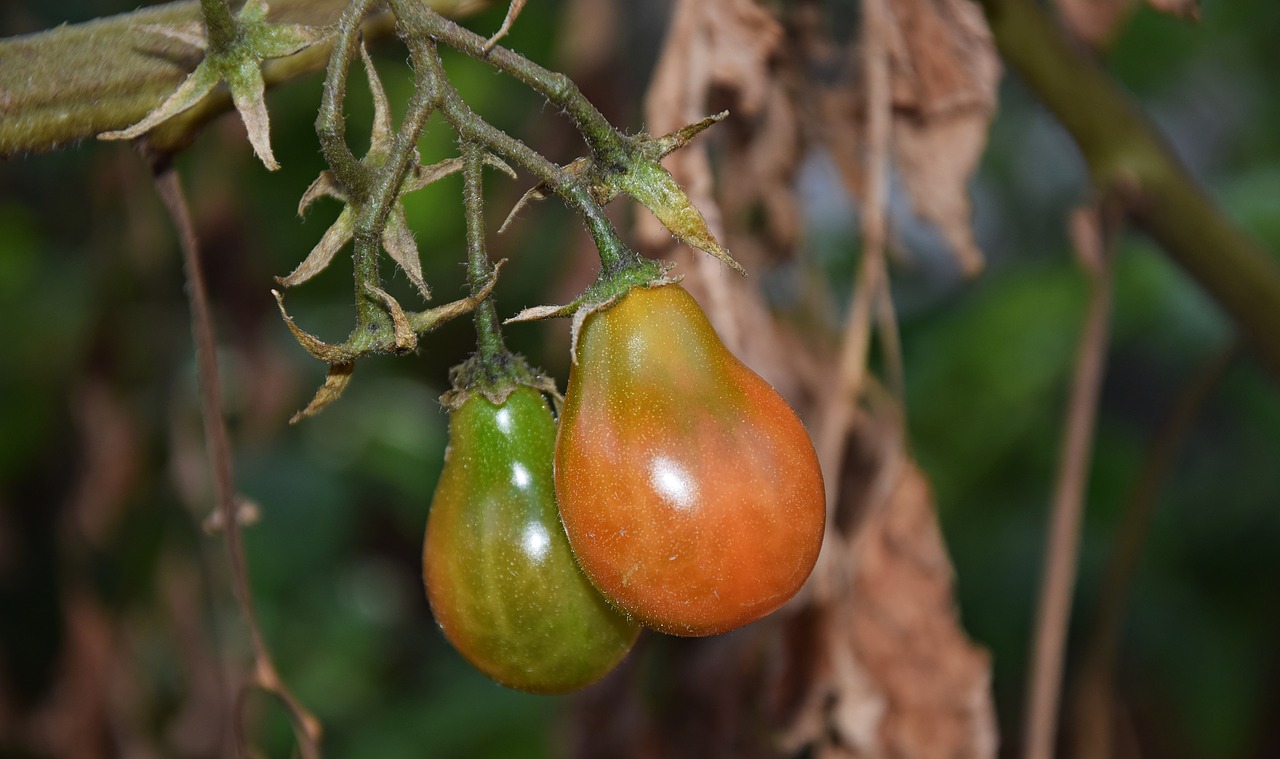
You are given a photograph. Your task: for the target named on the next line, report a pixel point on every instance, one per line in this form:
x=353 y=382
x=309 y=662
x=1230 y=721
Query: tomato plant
x=500 y=577
x=689 y=489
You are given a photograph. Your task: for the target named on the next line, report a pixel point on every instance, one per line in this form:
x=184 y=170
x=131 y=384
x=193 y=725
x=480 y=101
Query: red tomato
x=689 y=489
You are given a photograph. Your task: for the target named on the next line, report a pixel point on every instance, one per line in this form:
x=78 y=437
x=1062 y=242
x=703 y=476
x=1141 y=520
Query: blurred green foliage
x=91 y=295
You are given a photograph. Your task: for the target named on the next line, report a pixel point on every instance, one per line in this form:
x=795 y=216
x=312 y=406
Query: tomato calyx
x=496 y=376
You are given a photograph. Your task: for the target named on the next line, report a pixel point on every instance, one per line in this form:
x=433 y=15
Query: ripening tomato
x=689 y=489
x=500 y=577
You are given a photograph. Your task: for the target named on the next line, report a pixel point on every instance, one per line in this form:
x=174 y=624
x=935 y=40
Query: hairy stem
x=489 y=345
x=331 y=123
x=606 y=144
x=76 y=81
x=219 y=24
x=614 y=255
x=1126 y=156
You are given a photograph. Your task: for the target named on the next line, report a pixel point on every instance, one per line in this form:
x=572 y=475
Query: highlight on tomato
x=499 y=573
x=689 y=489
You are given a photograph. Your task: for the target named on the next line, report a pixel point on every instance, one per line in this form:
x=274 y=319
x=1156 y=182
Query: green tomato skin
x=500 y=576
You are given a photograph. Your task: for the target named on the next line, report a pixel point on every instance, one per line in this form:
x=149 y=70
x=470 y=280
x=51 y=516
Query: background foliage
x=101 y=459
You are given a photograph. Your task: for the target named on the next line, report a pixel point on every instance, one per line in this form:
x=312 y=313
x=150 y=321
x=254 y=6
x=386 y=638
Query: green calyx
x=235 y=48
x=495 y=375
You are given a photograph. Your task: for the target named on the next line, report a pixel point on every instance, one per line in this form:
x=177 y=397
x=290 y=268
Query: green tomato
x=500 y=576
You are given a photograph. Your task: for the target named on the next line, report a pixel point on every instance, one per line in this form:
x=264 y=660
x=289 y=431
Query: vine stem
x=1128 y=157
x=1063 y=536
x=605 y=142
x=331 y=121
x=470 y=127
x=219 y=24
x=489 y=345
x=306 y=727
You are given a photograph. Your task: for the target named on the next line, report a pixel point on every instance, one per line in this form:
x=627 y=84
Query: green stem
x=384 y=193
x=76 y=81
x=489 y=345
x=331 y=122
x=615 y=256
x=220 y=26
x=606 y=144
x=1128 y=158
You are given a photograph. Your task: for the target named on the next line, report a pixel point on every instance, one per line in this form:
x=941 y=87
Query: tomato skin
x=500 y=577
x=689 y=489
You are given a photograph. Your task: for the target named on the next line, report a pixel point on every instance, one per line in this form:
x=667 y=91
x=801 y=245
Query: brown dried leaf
x=1187 y=9
x=945 y=73
x=1094 y=22
x=400 y=245
x=406 y=339
x=335 y=382
x=337 y=235
x=726 y=47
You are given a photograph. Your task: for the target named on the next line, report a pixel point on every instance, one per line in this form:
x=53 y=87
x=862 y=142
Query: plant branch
x=472 y=128
x=1092 y=705
x=1126 y=156
x=331 y=120
x=489 y=345
x=606 y=144
x=306 y=726
x=1063 y=535
x=76 y=81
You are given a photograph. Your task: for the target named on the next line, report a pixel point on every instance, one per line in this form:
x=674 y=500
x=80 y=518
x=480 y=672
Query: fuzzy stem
x=615 y=256
x=384 y=193
x=489 y=344
x=75 y=81
x=331 y=121
x=606 y=144
x=220 y=26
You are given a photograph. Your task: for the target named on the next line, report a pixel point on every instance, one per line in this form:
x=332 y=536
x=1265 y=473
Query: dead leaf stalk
x=306 y=727
x=1063 y=536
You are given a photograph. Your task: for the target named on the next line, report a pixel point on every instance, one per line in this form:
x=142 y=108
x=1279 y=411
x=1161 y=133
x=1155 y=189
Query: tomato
x=689 y=489
x=500 y=576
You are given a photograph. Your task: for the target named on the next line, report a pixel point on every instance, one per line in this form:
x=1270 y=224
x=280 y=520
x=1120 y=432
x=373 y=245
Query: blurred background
x=109 y=585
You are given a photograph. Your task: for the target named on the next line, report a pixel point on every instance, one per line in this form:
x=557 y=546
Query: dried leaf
x=935 y=161
x=383 y=131
x=326 y=352
x=725 y=46
x=335 y=382
x=405 y=338
x=513 y=10
x=1187 y=9
x=398 y=241
x=335 y=237
x=425 y=321
x=1094 y=22
x=325 y=185
x=945 y=76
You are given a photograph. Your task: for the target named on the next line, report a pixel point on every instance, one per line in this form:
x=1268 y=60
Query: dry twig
x=1063 y=538
x=1093 y=704
x=306 y=726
